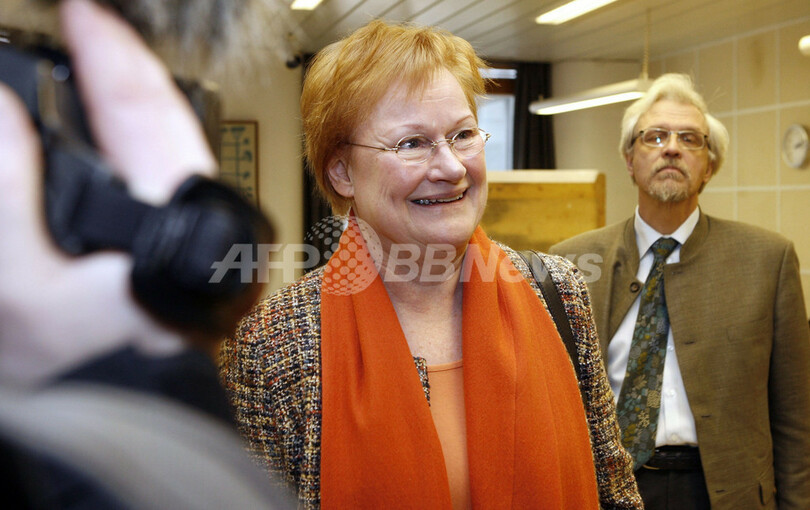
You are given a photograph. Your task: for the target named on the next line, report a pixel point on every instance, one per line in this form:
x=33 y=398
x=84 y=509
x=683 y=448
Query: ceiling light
x=600 y=96
x=804 y=45
x=570 y=11
x=609 y=94
x=305 y=5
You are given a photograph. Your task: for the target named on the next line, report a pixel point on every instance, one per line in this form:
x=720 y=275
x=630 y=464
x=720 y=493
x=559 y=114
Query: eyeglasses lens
x=419 y=148
x=691 y=140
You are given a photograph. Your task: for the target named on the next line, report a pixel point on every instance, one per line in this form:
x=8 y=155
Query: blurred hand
x=56 y=311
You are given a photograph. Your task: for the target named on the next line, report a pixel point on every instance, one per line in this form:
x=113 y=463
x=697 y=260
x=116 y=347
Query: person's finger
x=21 y=214
x=144 y=126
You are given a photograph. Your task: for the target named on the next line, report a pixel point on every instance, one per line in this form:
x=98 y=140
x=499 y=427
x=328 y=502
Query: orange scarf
x=527 y=439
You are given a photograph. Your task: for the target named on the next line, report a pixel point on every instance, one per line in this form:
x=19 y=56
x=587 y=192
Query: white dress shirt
x=676 y=425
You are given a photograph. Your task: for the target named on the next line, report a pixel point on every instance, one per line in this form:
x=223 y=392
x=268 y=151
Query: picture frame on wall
x=239 y=157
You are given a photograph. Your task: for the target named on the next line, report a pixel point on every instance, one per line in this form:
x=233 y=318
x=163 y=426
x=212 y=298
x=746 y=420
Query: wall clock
x=795 y=145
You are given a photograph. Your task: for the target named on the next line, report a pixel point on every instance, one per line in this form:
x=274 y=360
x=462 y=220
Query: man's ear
x=628 y=160
x=340 y=176
x=707 y=176
x=710 y=171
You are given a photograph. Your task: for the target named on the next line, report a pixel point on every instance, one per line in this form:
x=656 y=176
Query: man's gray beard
x=666 y=193
x=670 y=189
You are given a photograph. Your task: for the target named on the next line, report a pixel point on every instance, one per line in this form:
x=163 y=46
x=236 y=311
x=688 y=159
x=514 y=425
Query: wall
x=589 y=139
x=271 y=98
x=756 y=84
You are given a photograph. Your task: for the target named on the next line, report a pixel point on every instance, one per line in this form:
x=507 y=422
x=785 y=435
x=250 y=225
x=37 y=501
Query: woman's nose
x=445 y=164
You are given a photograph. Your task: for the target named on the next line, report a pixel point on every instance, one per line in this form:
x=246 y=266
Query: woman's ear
x=340 y=176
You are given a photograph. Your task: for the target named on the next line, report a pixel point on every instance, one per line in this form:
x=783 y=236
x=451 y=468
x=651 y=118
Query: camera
x=88 y=208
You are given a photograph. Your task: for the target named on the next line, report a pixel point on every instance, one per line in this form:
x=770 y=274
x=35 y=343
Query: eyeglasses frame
x=434 y=143
x=669 y=135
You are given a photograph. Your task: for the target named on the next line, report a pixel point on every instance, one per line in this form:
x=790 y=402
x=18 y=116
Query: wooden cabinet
x=537 y=208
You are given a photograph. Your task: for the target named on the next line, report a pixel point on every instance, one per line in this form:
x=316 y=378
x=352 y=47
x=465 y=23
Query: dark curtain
x=534 y=137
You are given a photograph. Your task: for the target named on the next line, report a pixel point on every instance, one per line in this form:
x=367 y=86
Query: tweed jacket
x=271 y=369
x=740 y=328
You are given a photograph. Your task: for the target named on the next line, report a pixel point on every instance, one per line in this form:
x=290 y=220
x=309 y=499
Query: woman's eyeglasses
x=419 y=148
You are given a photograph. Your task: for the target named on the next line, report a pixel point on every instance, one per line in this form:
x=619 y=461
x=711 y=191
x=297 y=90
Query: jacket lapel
x=625 y=287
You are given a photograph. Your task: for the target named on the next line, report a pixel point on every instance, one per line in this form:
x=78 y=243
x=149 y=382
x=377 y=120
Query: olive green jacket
x=740 y=328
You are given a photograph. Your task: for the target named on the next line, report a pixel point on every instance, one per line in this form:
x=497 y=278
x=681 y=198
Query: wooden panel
x=537 y=208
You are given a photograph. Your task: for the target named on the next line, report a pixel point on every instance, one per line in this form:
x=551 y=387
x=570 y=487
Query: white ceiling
x=505 y=29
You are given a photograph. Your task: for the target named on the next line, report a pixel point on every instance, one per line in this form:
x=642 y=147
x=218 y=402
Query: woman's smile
x=439 y=201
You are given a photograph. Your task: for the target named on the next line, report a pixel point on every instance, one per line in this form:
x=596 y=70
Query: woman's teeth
x=439 y=200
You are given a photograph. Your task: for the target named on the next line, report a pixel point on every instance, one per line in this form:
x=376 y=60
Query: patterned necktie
x=640 y=397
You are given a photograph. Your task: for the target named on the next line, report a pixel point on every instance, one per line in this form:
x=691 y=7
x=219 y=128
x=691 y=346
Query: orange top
x=447 y=408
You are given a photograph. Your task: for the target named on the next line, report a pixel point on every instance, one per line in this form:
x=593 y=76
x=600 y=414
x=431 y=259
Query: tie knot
x=663 y=247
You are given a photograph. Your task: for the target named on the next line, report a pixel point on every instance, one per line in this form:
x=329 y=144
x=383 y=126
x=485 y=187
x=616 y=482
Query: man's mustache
x=670 y=164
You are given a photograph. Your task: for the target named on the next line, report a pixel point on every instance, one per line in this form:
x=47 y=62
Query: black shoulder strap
x=555 y=305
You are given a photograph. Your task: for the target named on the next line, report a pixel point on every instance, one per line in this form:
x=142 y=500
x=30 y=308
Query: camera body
x=42 y=77
x=88 y=208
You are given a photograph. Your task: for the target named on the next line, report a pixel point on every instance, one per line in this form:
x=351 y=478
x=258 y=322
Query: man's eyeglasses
x=419 y=148
x=657 y=137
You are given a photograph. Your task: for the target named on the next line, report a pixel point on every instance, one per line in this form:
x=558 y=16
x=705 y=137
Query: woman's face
x=432 y=204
